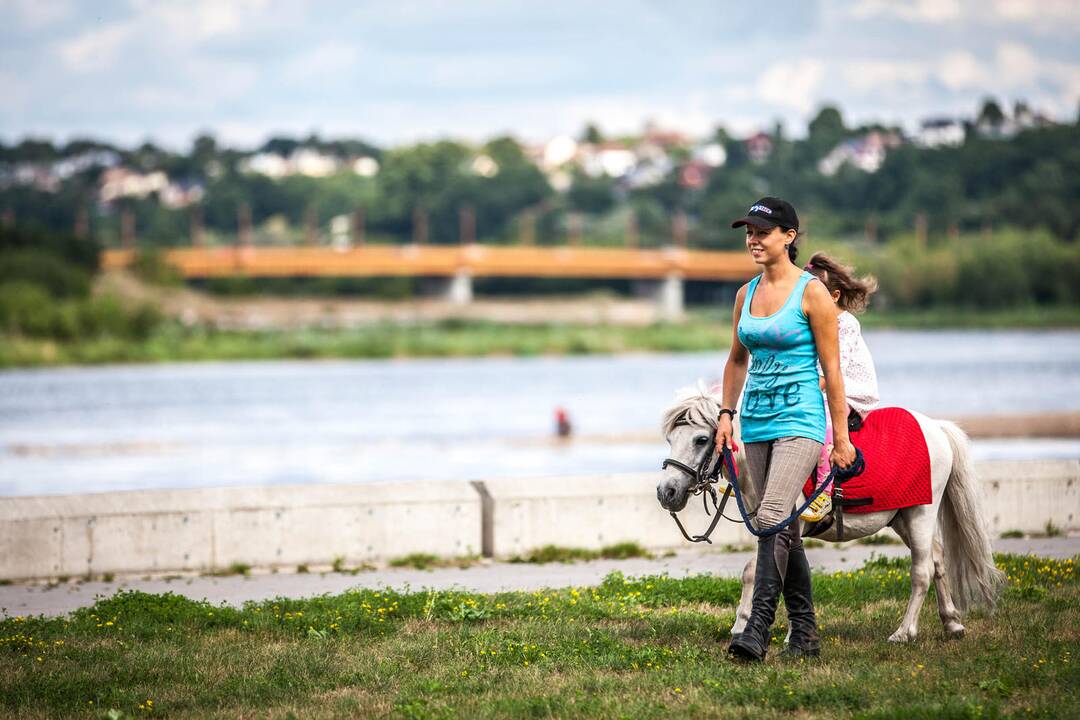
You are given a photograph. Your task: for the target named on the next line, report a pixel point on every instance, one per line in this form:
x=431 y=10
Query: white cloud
x=792 y=85
x=314 y=64
x=198 y=20
x=1044 y=11
x=961 y=70
x=1017 y=66
x=96 y=50
x=871 y=76
x=36 y=14
x=923 y=11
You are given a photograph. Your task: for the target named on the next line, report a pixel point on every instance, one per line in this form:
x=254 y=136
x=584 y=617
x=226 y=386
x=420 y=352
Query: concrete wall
x=171 y=530
x=1027 y=495
x=206 y=529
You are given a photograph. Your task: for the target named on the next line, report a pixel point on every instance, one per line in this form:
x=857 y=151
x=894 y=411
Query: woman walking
x=785 y=321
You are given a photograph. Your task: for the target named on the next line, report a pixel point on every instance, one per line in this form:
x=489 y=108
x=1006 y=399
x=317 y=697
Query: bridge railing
x=429 y=260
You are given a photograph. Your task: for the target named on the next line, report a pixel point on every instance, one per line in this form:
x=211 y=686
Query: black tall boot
x=753 y=642
x=798 y=597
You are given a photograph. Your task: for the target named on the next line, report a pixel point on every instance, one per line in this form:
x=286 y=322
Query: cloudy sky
x=402 y=70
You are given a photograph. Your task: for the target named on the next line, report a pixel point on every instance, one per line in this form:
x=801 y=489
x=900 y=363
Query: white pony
x=948 y=538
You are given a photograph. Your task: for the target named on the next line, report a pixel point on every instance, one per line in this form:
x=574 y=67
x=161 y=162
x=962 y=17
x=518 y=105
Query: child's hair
x=854 y=292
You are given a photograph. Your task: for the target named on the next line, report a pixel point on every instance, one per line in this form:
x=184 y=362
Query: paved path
x=25 y=599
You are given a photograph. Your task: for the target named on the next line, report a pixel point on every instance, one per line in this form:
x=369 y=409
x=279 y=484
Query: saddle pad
x=897 y=473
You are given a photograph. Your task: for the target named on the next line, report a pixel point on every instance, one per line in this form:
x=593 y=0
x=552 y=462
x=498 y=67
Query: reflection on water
x=90 y=429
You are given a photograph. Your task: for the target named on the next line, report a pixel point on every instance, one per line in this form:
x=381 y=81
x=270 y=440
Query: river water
x=216 y=424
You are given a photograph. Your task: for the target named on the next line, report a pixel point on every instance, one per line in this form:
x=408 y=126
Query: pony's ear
x=686 y=393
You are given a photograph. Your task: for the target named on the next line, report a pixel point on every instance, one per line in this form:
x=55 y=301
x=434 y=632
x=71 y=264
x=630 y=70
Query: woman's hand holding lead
x=724 y=434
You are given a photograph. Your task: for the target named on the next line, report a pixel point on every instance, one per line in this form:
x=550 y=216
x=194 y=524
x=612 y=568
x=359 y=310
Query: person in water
x=850 y=296
x=784 y=320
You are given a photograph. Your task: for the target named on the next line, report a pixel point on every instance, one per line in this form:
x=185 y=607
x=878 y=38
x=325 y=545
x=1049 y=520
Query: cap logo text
x=761 y=208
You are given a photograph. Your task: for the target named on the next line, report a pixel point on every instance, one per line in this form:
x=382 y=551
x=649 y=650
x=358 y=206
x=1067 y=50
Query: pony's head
x=689 y=426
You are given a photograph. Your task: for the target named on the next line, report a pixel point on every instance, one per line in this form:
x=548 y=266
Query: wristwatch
x=724 y=411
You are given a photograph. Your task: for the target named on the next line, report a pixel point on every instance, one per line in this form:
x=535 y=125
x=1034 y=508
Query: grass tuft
x=879 y=538
x=556 y=553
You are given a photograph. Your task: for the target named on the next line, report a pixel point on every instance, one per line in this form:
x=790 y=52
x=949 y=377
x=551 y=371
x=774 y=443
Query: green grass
x=556 y=553
x=704 y=330
x=880 y=538
x=651 y=647
x=234 y=569
x=427 y=561
x=443 y=339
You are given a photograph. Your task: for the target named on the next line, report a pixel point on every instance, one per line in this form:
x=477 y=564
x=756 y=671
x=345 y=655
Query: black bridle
x=703 y=479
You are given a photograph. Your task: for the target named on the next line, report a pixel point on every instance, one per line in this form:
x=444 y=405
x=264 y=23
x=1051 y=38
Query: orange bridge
x=433 y=260
x=661 y=270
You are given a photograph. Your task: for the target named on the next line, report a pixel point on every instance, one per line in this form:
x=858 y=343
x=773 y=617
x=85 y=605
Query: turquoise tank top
x=781 y=397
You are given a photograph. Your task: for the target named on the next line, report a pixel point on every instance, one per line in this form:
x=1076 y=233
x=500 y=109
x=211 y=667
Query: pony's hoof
x=900 y=636
x=955 y=632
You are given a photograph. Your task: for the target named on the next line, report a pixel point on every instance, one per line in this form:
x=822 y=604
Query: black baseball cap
x=769 y=212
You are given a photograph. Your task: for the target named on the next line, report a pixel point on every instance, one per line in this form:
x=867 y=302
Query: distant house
x=759 y=147
x=365 y=166
x=312 y=163
x=182 y=194
x=40 y=177
x=940 y=132
x=1025 y=118
x=866 y=153
x=694 y=174
x=85 y=161
x=266 y=163
x=666 y=139
x=649 y=171
x=712 y=154
x=302 y=161
x=558 y=151
x=612 y=159
x=119 y=182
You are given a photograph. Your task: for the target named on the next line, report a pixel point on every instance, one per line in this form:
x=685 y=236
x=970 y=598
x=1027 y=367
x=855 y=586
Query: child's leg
x=822 y=504
x=824 y=466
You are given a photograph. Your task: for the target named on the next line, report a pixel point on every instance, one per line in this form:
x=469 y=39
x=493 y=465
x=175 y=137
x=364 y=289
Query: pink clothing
x=823 y=466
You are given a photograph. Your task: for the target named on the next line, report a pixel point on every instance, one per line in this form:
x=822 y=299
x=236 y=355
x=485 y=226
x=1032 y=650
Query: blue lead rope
x=837 y=474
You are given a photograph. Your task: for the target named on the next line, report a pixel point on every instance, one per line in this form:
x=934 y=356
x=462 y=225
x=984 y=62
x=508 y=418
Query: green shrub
x=59 y=278
x=150 y=266
x=84 y=254
x=26 y=309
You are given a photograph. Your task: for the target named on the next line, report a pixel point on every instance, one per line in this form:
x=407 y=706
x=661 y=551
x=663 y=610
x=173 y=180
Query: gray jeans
x=779 y=469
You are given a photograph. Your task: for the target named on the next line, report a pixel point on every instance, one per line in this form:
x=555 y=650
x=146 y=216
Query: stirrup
x=818 y=509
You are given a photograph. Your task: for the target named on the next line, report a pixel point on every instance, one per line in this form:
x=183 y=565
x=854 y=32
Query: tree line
x=1028 y=180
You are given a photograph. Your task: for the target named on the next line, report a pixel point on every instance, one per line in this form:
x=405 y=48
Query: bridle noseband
x=703 y=480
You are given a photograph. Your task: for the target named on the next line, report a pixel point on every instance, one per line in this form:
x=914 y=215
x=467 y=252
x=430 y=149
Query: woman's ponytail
x=793 y=248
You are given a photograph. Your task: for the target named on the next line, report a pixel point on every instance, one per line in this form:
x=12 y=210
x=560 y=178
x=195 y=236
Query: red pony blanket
x=897 y=473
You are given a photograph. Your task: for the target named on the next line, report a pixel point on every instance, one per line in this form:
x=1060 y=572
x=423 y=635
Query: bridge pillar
x=667 y=293
x=456 y=289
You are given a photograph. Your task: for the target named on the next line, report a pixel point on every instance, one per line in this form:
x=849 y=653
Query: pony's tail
x=969 y=560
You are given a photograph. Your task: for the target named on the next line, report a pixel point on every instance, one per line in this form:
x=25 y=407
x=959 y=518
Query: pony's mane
x=695 y=405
